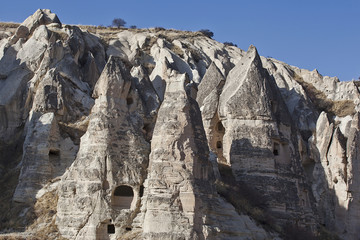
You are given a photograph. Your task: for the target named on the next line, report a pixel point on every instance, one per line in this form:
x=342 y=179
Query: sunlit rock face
x=163 y=134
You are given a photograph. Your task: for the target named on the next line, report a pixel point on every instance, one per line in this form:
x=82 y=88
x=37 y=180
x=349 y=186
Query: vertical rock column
x=209 y=91
x=353 y=179
x=178 y=168
x=99 y=195
x=260 y=142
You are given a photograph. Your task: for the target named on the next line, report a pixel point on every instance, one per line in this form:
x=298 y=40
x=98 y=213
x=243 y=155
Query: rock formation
x=164 y=134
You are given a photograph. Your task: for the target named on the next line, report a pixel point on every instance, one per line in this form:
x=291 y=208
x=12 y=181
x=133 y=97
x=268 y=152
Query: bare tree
x=118 y=22
x=207 y=33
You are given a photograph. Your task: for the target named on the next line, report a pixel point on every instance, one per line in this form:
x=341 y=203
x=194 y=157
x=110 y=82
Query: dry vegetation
x=247 y=200
x=322 y=103
x=109 y=33
x=14 y=216
x=10 y=211
x=149 y=42
x=7 y=29
x=8 y=25
x=177 y=50
x=135 y=234
x=10 y=157
x=44 y=226
x=244 y=198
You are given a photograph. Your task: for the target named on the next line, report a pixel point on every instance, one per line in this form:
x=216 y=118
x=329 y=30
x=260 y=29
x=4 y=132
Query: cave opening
x=54 y=152
x=129 y=100
x=111 y=229
x=220 y=127
x=122 y=197
x=276 y=149
x=219 y=145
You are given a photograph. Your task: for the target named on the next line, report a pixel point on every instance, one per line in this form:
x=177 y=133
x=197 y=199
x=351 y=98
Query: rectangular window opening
x=111 y=229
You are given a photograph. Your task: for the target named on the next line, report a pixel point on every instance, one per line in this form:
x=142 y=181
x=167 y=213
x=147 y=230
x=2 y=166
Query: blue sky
x=308 y=34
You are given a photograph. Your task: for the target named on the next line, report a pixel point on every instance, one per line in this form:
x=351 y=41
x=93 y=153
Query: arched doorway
x=122 y=197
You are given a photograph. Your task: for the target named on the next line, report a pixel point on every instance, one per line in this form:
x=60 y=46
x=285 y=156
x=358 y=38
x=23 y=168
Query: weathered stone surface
x=300 y=107
x=208 y=99
x=113 y=152
x=259 y=141
x=352 y=193
x=180 y=201
x=131 y=130
x=46 y=156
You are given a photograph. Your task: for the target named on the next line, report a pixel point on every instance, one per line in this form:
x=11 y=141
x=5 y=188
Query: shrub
x=133 y=27
x=207 y=33
x=195 y=54
x=177 y=50
x=118 y=22
x=230 y=44
x=157 y=29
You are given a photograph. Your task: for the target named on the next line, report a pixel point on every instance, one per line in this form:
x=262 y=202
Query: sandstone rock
x=146 y=91
x=352 y=191
x=240 y=85
x=259 y=142
x=40 y=17
x=46 y=156
x=134 y=131
x=300 y=107
x=208 y=95
x=179 y=194
x=111 y=162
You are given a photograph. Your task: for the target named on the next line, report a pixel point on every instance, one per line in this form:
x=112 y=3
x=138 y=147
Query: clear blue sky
x=322 y=34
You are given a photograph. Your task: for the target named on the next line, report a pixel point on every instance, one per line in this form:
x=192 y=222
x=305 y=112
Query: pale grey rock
x=113 y=152
x=146 y=91
x=234 y=99
x=337 y=178
x=86 y=130
x=345 y=124
x=331 y=86
x=352 y=192
x=22 y=32
x=259 y=141
x=12 y=102
x=180 y=201
x=210 y=81
x=91 y=72
x=46 y=156
x=208 y=96
x=333 y=175
x=40 y=17
x=300 y=107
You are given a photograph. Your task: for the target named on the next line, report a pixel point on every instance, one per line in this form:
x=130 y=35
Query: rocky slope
x=163 y=134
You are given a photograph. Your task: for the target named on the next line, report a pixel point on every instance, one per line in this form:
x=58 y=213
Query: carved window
x=219 y=145
x=54 y=152
x=54 y=156
x=129 y=100
x=276 y=149
x=220 y=127
x=273 y=106
x=111 y=229
x=122 y=197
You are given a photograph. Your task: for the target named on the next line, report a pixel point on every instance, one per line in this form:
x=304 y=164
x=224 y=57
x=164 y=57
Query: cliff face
x=163 y=134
